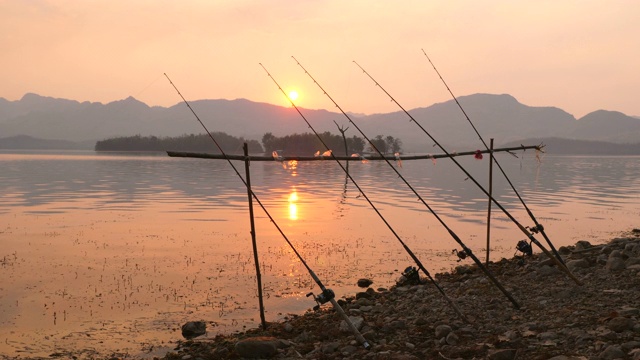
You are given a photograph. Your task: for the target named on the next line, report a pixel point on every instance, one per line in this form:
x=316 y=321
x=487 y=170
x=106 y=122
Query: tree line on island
x=305 y=144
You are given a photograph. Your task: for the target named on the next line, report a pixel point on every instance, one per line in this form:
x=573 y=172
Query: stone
x=452 y=338
x=357 y=321
x=612 y=352
x=330 y=347
x=577 y=264
x=629 y=311
x=615 y=263
x=583 y=245
x=349 y=349
x=547 y=271
x=421 y=321
x=502 y=354
x=615 y=253
x=257 y=347
x=442 y=331
x=288 y=327
x=620 y=324
x=631 y=345
x=194 y=329
x=363 y=283
x=549 y=335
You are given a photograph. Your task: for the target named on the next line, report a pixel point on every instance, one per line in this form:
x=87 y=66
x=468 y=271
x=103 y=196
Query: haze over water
x=116 y=251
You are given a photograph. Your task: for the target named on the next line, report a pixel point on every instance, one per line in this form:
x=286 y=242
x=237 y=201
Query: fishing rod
x=327 y=295
x=451 y=232
x=561 y=266
x=538 y=227
x=404 y=245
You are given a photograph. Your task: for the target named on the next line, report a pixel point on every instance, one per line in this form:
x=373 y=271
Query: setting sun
x=293 y=95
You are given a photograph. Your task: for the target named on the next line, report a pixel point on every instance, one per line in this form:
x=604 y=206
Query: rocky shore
x=557 y=319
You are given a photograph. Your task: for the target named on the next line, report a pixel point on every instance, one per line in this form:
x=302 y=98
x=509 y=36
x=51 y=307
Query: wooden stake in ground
x=489 y=206
x=253 y=235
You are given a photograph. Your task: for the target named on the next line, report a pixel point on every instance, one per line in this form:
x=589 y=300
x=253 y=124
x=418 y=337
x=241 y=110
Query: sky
x=579 y=56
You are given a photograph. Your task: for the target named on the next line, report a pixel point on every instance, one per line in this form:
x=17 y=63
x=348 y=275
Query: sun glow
x=293 y=95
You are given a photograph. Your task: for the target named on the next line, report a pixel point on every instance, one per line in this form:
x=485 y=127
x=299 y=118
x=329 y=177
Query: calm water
x=116 y=251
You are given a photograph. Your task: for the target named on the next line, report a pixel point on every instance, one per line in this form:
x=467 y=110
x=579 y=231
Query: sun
x=293 y=95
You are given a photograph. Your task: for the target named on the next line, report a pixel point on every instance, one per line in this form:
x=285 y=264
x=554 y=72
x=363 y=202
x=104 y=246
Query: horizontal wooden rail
x=345 y=158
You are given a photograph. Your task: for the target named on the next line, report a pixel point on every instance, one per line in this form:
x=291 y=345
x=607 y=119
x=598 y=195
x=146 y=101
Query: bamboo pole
x=344 y=158
x=253 y=235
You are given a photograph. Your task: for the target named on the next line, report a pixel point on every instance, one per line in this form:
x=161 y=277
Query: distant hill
x=500 y=117
x=561 y=146
x=24 y=142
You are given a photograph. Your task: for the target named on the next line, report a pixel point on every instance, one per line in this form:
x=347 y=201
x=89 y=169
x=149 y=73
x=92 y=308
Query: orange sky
x=580 y=56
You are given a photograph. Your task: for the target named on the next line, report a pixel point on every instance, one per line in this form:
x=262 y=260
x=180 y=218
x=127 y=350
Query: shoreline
x=558 y=319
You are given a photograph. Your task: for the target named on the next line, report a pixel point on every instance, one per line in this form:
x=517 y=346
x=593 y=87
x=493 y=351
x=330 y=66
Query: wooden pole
x=253 y=235
x=347 y=158
x=490 y=196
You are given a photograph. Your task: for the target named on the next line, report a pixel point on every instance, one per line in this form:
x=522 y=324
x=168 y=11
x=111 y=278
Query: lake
x=115 y=251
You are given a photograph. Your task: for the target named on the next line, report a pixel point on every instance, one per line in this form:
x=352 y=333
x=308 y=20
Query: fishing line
x=538 y=227
x=411 y=254
x=146 y=87
x=561 y=266
x=327 y=295
x=451 y=232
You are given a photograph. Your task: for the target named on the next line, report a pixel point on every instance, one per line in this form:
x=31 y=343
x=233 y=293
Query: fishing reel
x=410 y=276
x=325 y=296
x=462 y=254
x=524 y=247
x=536 y=229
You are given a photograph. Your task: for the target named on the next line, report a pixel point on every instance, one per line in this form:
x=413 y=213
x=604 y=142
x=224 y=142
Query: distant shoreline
x=553 y=146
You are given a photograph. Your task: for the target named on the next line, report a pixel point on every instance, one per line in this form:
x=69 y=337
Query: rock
x=357 y=321
x=330 y=347
x=615 y=253
x=452 y=338
x=583 y=245
x=194 y=329
x=421 y=321
x=349 y=349
x=363 y=283
x=620 y=324
x=502 y=354
x=257 y=347
x=630 y=345
x=549 y=335
x=564 y=250
x=577 y=264
x=545 y=271
x=629 y=311
x=442 y=331
x=612 y=352
x=288 y=327
x=364 y=302
x=615 y=263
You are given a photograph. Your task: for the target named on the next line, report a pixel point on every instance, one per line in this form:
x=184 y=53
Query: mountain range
x=500 y=117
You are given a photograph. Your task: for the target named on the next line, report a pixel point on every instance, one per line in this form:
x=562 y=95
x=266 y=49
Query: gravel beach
x=557 y=319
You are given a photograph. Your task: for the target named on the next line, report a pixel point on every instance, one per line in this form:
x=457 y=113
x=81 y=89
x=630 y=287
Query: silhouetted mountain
x=23 y=142
x=609 y=126
x=500 y=117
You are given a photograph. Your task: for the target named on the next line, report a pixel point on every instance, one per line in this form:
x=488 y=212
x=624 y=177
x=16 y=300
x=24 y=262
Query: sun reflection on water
x=293 y=206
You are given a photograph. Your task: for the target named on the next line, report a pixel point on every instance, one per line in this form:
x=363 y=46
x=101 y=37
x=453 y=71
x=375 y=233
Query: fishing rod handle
x=353 y=328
